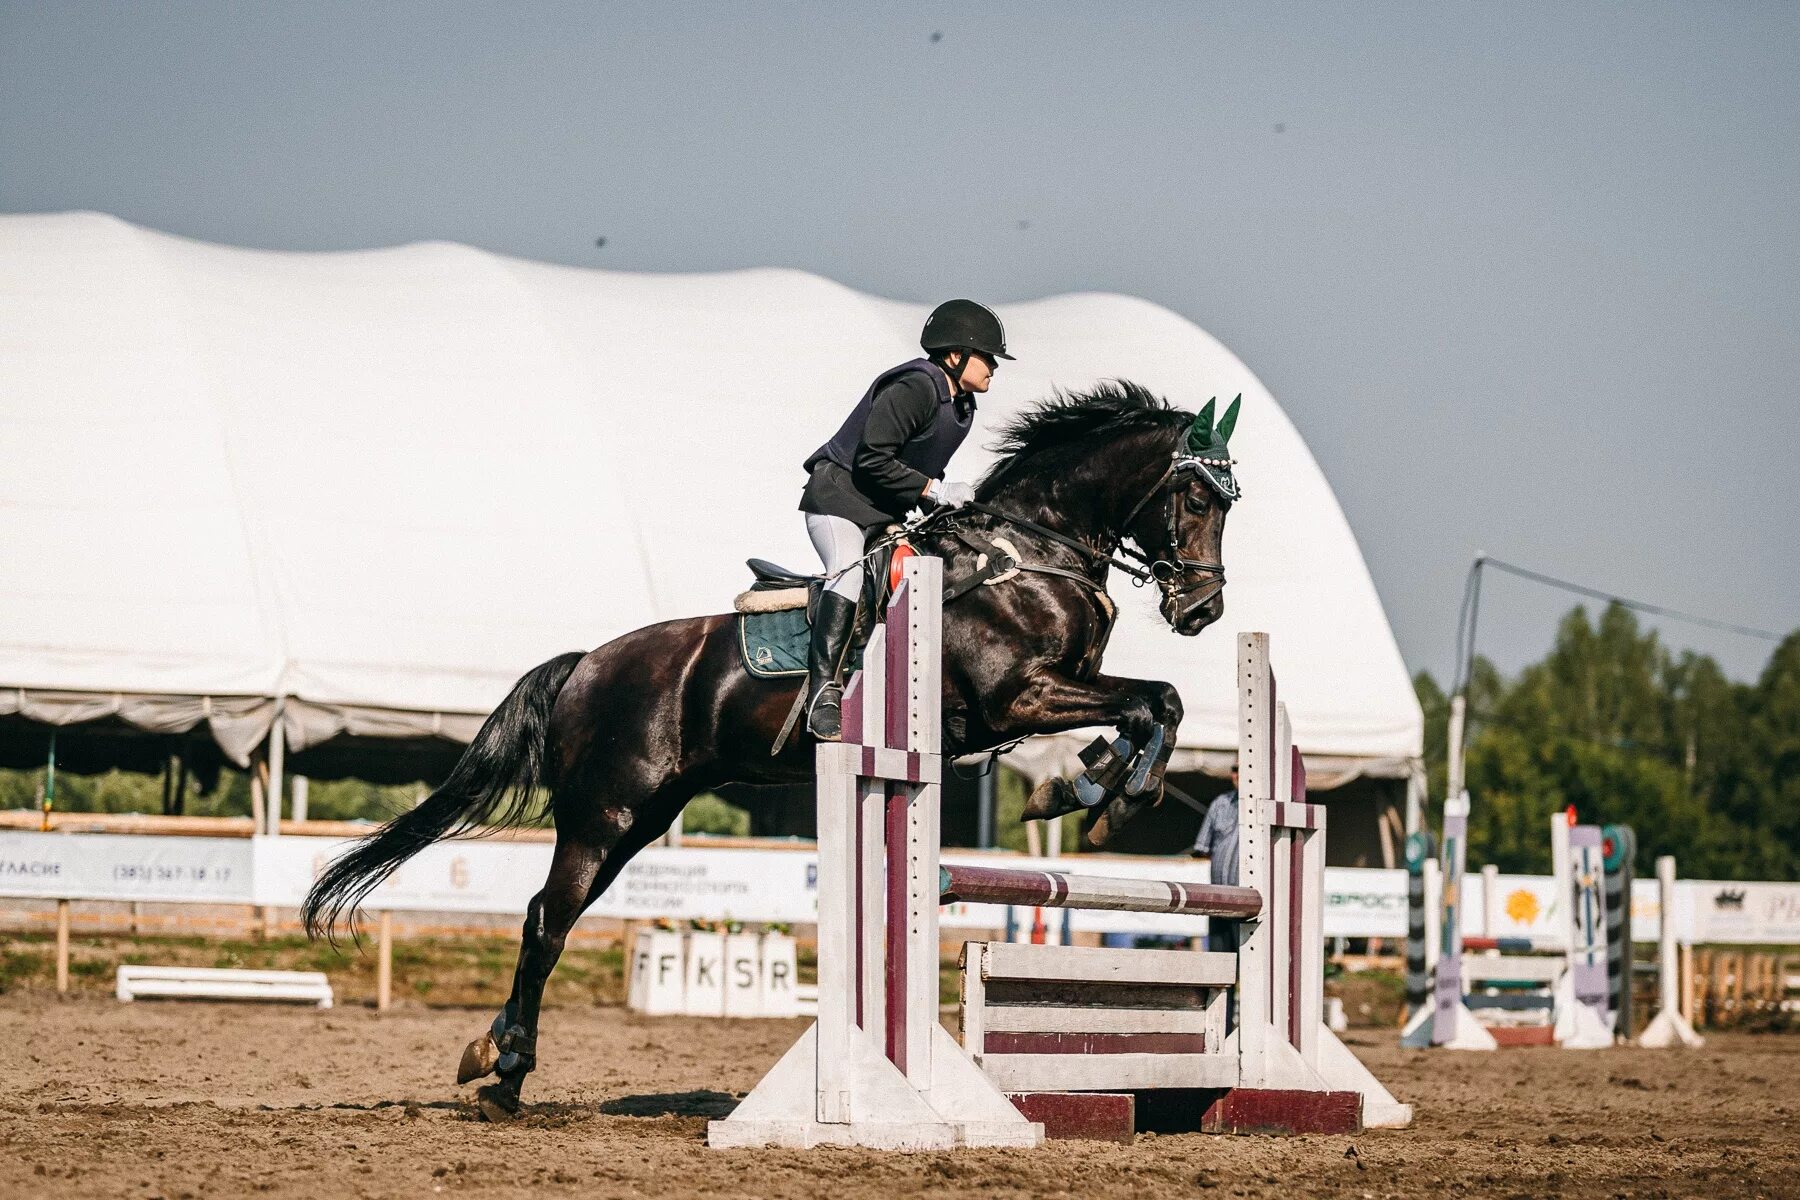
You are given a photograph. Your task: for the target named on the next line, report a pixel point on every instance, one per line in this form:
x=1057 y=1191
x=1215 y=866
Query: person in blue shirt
x=1218 y=841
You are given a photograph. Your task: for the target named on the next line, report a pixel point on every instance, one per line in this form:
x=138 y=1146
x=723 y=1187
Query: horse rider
x=888 y=458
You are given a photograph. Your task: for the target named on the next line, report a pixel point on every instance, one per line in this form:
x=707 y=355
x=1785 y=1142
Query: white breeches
x=840 y=546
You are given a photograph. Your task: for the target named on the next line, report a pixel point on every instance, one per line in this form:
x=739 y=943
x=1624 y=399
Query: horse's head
x=1179 y=526
x=1121 y=469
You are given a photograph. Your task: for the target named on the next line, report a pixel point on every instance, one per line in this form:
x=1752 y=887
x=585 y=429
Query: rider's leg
x=840 y=546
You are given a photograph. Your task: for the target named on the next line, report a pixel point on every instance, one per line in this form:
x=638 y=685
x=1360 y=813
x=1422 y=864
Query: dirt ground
x=180 y=1100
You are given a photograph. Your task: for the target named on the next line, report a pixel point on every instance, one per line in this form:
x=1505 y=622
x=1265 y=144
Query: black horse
x=624 y=736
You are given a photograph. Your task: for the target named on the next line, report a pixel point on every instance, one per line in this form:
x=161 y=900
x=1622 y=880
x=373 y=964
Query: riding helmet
x=964 y=325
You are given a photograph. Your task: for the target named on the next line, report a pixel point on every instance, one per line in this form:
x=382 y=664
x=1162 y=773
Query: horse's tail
x=495 y=783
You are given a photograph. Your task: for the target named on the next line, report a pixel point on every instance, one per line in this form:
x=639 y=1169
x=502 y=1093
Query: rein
x=1088 y=555
x=1200 y=579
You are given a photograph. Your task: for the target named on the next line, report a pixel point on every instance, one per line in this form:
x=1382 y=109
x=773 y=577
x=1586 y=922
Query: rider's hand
x=948 y=494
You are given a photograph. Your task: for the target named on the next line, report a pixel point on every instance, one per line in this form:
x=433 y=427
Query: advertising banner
x=1757 y=913
x=697 y=882
x=118 y=866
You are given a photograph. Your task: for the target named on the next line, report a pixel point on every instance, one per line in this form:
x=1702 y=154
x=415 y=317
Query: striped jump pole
x=1515 y=945
x=1060 y=889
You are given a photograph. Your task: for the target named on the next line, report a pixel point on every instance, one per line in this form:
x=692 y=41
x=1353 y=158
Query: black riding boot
x=830 y=636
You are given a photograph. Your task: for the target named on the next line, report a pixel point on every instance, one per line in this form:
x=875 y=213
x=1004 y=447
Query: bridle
x=1179 y=578
x=1186 y=583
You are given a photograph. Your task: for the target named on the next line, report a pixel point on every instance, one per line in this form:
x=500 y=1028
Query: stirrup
x=825 y=715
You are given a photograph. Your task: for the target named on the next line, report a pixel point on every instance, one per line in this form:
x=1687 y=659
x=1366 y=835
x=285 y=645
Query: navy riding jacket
x=898 y=438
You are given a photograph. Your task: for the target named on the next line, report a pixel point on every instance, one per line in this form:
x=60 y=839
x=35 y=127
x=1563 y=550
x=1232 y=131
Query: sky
x=1525 y=276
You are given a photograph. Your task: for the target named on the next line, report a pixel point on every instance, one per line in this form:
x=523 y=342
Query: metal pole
x=1417 y=797
x=986 y=789
x=1453 y=785
x=1459 y=680
x=301 y=787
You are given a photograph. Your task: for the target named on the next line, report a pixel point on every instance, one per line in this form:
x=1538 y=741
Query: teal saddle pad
x=774 y=645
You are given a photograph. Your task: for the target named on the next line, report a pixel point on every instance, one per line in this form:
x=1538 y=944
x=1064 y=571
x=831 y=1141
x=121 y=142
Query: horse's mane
x=1079 y=418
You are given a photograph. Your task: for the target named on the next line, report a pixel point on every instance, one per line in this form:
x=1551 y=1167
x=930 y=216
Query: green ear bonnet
x=1206 y=449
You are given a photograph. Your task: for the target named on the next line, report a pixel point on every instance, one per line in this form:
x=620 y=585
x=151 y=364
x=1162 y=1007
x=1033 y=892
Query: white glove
x=947 y=494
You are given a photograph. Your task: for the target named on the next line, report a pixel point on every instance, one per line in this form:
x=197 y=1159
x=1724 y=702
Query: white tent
x=363 y=492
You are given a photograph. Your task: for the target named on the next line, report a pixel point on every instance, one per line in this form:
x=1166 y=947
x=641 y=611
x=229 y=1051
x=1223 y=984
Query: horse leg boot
x=1148 y=768
x=1106 y=765
x=1141 y=788
x=482 y=1056
x=831 y=629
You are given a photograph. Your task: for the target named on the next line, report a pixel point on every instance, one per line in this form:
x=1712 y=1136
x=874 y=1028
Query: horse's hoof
x=497 y=1104
x=1116 y=815
x=1054 y=797
x=478 y=1059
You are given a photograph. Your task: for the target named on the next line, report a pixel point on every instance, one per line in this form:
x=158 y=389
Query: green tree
x=1611 y=723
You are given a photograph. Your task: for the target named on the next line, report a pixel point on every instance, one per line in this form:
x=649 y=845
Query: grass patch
x=451 y=972
x=446 y=972
x=1370 y=997
x=19 y=967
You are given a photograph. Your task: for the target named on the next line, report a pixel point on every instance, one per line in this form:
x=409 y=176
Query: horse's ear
x=1199 y=434
x=1228 y=422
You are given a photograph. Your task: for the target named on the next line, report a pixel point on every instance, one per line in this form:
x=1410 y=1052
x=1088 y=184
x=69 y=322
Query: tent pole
x=277 y=761
x=1418 y=790
x=259 y=772
x=50 y=782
